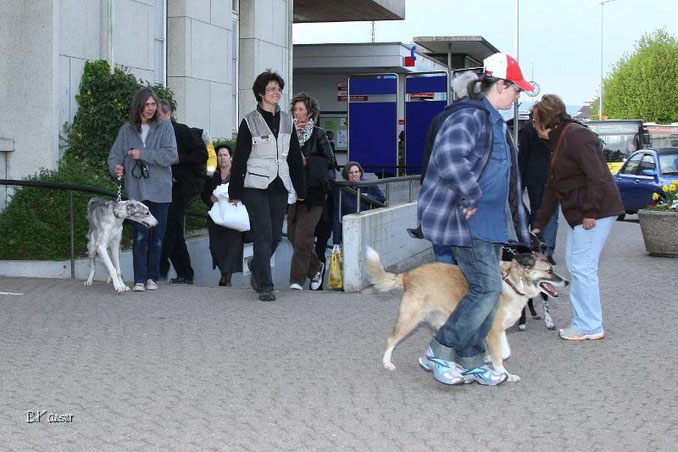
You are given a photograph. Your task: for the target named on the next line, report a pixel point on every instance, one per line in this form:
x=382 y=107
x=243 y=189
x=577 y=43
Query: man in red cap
x=470 y=201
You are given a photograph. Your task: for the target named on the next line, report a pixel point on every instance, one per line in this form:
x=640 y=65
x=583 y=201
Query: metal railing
x=355 y=189
x=73 y=188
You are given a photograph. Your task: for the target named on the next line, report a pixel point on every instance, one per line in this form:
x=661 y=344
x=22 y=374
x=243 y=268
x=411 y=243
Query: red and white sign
x=342 y=94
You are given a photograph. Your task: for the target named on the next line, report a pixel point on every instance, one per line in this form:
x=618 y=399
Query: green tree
x=644 y=84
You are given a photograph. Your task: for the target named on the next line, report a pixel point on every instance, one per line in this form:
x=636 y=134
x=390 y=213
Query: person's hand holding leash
x=589 y=223
x=118 y=170
x=134 y=153
x=468 y=213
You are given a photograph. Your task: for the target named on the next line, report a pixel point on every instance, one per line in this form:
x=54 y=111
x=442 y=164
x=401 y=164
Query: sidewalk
x=195 y=368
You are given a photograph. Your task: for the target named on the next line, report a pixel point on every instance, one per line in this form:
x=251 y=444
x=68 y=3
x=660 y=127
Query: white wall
x=265 y=43
x=29 y=68
x=201 y=63
x=385 y=231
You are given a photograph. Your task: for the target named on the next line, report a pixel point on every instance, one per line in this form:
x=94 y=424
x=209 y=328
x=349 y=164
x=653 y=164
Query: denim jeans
x=147 y=244
x=582 y=253
x=443 y=254
x=462 y=337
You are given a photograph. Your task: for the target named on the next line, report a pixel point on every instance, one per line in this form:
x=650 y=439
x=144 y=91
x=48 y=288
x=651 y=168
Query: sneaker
x=570 y=334
x=267 y=295
x=317 y=280
x=446 y=372
x=484 y=376
x=295 y=286
x=151 y=285
x=181 y=280
x=138 y=287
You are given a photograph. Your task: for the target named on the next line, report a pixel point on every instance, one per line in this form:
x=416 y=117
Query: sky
x=559 y=40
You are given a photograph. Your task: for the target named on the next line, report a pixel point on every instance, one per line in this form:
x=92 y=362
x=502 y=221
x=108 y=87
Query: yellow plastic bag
x=335 y=279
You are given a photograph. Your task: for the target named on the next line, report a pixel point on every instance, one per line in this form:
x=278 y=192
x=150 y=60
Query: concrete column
x=29 y=43
x=265 y=43
x=199 y=61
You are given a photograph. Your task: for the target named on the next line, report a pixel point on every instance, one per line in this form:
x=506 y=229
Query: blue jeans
x=147 y=244
x=443 y=254
x=462 y=338
x=582 y=253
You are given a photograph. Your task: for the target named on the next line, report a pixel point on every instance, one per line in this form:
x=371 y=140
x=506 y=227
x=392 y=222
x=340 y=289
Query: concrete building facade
x=207 y=51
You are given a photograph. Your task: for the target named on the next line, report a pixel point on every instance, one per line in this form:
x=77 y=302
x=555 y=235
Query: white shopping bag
x=227 y=214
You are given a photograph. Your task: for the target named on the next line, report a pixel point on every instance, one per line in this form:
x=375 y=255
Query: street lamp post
x=600 y=105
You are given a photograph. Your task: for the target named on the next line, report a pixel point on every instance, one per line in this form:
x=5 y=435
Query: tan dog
x=432 y=291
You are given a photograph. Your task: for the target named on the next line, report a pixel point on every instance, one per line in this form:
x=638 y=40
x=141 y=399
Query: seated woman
x=352 y=172
x=226 y=245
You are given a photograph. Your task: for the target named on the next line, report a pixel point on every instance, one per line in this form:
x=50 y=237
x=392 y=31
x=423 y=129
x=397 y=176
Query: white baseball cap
x=504 y=66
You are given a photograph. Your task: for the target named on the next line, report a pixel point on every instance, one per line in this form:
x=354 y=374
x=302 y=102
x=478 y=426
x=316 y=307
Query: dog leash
x=119 y=198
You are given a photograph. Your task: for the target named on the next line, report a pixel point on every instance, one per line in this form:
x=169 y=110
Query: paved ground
x=211 y=368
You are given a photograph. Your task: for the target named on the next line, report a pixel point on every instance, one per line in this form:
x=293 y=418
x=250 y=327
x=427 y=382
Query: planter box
x=660 y=232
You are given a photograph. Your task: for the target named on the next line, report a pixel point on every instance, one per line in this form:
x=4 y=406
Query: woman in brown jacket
x=590 y=202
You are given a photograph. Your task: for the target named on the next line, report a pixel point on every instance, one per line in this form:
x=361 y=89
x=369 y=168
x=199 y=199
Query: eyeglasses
x=514 y=86
x=273 y=90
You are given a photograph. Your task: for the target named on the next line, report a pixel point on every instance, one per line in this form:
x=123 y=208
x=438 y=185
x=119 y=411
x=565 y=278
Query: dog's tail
x=382 y=280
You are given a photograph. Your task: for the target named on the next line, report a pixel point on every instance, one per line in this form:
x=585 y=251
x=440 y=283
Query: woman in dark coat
x=580 y=180
x=226 y=245
x=303 y=216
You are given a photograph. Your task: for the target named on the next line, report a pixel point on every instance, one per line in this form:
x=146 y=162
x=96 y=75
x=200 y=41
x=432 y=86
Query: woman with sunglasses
x=470 y=202
x=144 y=152
x=267 y=166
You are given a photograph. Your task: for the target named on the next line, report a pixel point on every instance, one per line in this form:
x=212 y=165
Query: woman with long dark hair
x=144 y=152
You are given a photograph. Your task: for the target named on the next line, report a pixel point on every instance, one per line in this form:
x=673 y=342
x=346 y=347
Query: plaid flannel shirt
x=460 y=153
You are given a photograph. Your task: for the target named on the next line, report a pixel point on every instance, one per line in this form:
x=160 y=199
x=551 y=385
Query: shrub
x=35 y=224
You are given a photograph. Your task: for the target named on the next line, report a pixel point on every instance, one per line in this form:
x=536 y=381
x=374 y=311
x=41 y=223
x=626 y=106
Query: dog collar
x=513 y=286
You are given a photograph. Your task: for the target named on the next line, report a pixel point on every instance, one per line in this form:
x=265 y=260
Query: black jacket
x=534 y=157
x=189 y=173
x=320 y=159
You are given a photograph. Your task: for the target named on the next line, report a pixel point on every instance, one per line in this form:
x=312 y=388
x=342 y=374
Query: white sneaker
x=295 y=286
x=317 y=280
x=151 y=285
x=138 y=287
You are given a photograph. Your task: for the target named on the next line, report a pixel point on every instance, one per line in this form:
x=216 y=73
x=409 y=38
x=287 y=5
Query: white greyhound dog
x=105 y=232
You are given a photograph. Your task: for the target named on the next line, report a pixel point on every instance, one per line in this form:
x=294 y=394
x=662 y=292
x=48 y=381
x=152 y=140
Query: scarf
x=305 y=133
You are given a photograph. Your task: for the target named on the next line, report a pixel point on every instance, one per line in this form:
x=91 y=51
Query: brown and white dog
x=432 y=291
x=105 y=233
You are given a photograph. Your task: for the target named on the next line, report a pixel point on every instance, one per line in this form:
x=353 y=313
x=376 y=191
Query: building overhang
x=308 y=11
x=473 y=48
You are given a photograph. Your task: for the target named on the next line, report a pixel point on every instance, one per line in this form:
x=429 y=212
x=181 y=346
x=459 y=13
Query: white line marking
x=11 y=293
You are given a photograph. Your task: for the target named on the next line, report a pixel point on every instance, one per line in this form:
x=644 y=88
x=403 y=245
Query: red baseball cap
x=503 y=65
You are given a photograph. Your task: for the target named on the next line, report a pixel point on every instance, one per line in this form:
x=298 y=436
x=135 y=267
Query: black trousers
x=266 y=209
x=174 y=245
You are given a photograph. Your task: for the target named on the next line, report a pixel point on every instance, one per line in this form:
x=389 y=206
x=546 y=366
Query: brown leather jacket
x=581 y=180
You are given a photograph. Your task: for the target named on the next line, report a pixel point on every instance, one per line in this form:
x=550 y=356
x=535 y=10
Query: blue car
x=643 y=174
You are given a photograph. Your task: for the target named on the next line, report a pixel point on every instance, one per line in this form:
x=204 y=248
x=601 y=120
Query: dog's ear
x=526 y=259
x=119 y=210
x=131 y=209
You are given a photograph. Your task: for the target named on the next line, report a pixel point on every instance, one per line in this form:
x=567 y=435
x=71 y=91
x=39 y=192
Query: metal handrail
x=355 y=187
x=71 y=188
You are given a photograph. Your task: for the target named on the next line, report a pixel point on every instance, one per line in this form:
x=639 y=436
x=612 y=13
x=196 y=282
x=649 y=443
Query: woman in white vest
x=267 y=166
